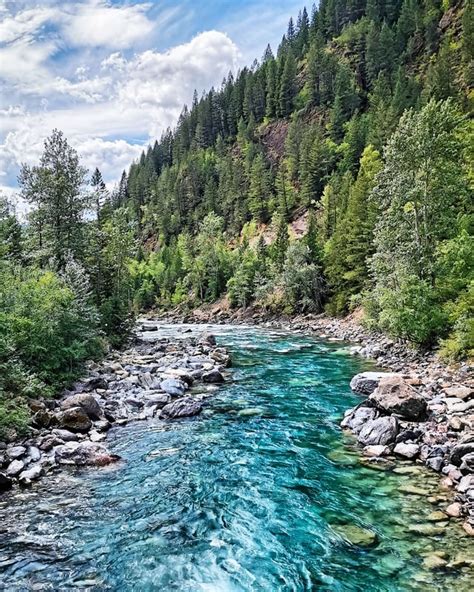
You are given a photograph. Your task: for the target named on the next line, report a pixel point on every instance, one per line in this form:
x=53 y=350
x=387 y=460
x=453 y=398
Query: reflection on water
x=260 y=493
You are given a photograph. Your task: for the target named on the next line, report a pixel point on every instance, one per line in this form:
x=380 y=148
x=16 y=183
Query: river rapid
x=261 y=492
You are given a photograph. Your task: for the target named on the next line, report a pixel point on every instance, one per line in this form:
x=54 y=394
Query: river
x=256 y=494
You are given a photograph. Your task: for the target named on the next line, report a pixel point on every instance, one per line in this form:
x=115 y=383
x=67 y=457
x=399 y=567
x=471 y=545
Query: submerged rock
x=395 y=395
x=185 y=407
x=356 y=535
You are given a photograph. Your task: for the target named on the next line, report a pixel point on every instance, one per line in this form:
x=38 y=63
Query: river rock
x=34 y=454
x=213 y=376
x=382 y=430
x=5 y=482
x=460 y=392
x=366 y=382
x=173 y=387
x=43 y=418
x=75 y=419
x=65 y=435
x=15 y=467
x=454 y=510
x=394 y=395
x=376 y=451
x=185 y=407
x=86 y=402
x=31 y=474
x=463 y=447
x=407 y=450
x=15 y=452
x=358 y=417
x=85 y=453
x=356 y=535
x=466 y=483
x=434 y=561
x=207 y=339
x=92 y=383
x=467 y=463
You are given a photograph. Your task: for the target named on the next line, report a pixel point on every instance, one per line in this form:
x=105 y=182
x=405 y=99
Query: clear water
x=249 y=496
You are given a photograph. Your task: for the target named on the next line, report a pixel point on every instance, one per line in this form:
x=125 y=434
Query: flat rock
x=65 y=435
x=395 y=395
x=185 y=407
x=433 y=561
x=463 y=447
x=454 y=510
x=382 y=430
x=31 y=474
x=356 y=535
x=16 y=452
x=173 y=387
x=365 y=383
x=460 y=392
x=85 y=453
x=377 y=450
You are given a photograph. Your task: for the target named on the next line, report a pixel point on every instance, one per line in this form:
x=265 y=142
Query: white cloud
x=24 y=23
x=98 y=24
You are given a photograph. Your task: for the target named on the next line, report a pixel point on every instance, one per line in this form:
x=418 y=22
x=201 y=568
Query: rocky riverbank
x=420 y=409
x=152 y=378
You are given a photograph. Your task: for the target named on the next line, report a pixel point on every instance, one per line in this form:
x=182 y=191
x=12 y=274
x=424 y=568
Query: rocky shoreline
x=419 y=409
x=158 y=378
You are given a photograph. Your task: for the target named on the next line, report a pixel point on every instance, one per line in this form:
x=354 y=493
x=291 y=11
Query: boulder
x=85 y=453
x=382 y=430
x=31 y=474
x=159 y=400
x=65 y=435
x=365 y=383
x=463 y=447
x=5 y=482
x=460 y=392
x=86 y=402
x=407 y=450
x=358 y=417
x=213 y=376
x=467 y=464
x=466 y=483
x=185 y=407
x=15 y=467
x=173 y=387
x=394 y=395
x=377 y=450
x=75 y=419
x=92 y=383
x=43 y=418
x=16 y=452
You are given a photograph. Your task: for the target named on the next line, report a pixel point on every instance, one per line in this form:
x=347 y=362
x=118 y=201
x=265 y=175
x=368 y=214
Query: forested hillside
x=335 y=173
x=356 y=129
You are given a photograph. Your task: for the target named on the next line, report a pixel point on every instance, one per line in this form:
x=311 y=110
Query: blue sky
x=113 y=74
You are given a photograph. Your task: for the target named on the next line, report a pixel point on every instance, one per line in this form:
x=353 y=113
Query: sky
x=113 y=74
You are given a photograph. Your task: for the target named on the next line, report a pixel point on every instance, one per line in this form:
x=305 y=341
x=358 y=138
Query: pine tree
x=287 y=86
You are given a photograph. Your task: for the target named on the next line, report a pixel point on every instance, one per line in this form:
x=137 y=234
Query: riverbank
x=418 y=409
x=151 y=378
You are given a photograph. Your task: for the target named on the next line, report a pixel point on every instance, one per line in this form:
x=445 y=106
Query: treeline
x=357 y=126
x=65 y=290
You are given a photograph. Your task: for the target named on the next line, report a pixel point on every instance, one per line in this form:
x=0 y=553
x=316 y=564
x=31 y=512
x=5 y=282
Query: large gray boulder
x=382 y=430
x=31 y=474
x=186 y=407
x=213 y=376
x=174 y=387
x=394 y=395
x=358 y=417
x=75 y=419
x=365 y=383
x=86 y=402
x=463 y=447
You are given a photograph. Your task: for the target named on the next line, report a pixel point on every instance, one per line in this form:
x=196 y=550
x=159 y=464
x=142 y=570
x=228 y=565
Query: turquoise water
x=253 y=495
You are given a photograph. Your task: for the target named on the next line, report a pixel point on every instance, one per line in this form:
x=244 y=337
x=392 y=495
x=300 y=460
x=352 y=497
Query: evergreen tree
x=287 y=86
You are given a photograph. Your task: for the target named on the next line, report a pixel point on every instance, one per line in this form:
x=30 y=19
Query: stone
x=16 y=452
x=5 y=482
x=394 y=395
x=454 y=510
x=86 y=402
x=382 y=430
x=435 y=463
x=207 y=339
x=358 y=417
x=468 y=528
x=31 y=474
x=65 y=435
x=426 y=529
x=43 y=418
x=436 y=516
x=375 y=451
x=34 y=453
x=466 y=483
x=75 y=419
x=15 y=467
x=460 y=392
x=356 y=535
x=213 y=376
x=463 y=447
x=92 y=383
x=96 y=436
x=455 y=423
x=462 y=407
x=85 y=453
x=365 y=383
x=158 y=400
x=181 y=374
x=185 y=407
x=433 y=561
x=413 y=490
x=407 y=450
x=467 y=463
x=173 y=387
